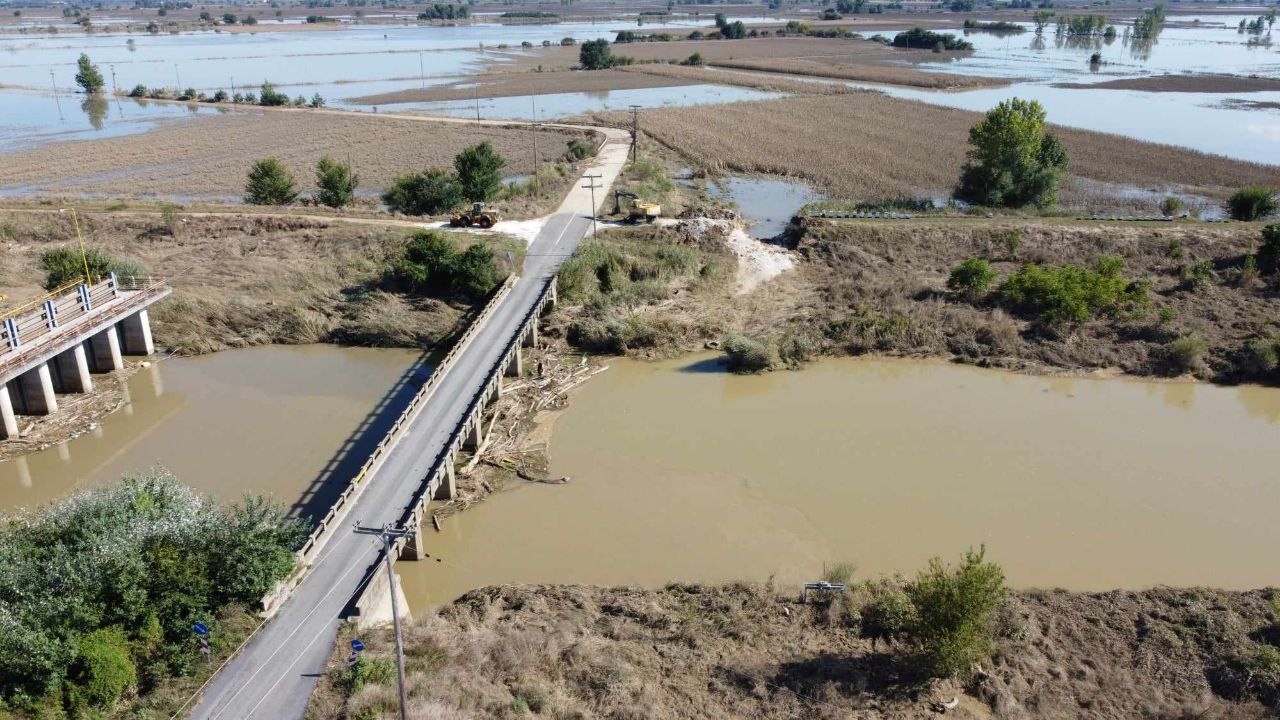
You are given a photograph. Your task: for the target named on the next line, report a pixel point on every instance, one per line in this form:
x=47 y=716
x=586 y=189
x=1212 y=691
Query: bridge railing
x=22 y=328
x=332 y=518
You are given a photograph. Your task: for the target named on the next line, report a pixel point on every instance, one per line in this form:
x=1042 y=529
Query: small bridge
x=52 y=344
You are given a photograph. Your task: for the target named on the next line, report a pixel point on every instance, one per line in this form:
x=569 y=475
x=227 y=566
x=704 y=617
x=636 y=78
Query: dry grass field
x=868 y=146
x=1185 y=83
x=523 y=83
x=207 y=158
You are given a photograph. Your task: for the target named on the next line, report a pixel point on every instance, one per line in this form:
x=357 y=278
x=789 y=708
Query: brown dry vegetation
x=248 y=280
x=519 y=84
x=1184 y=83
x=747 y=651
x=208 y=157
x=868 y=146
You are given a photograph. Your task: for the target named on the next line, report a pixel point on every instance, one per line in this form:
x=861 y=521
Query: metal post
x=386 y=533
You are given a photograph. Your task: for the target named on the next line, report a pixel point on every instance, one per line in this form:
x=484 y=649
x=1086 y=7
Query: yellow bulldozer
x=477 y=216
x=637 y=210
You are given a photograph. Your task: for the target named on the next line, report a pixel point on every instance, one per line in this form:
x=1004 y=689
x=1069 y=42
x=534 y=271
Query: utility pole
x=591 y=184
x=114 y=88
x=56 y=101
x=389 y=533
x=477 y=96
x=177 y=77
x=533 y=103
x=635 y=129
x=422 y=73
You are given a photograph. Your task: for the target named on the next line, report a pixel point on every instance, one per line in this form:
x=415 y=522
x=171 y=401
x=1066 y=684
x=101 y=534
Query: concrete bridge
x=53 y=344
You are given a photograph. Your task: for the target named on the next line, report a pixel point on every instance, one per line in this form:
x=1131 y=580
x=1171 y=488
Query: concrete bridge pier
x=413 y=549
x=71 y=371
x=104 y=351
x=530 y=338
x=515 y=365
x=8 y=420
x=135 y=332
x=448 y=486
x=33 y=392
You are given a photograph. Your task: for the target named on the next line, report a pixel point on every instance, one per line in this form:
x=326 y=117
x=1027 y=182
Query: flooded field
x=766 y=202
x=682 y=472
x=546 y=107
x=293 y=422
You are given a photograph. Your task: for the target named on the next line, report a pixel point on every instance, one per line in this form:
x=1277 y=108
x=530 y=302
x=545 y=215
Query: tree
x=1041 y=18
x=272 y=97
x=430 y=192
x=1013 y=161
x=972 y=278
x=269 y=183
x=955 y=613
x=336 y=182
x=479 y=170
x=595 y=55
x=65 y=264
x=88 y=77
x=104 y=669
x=1269 y=252
x=431 y=265
x=1252 y=203
x=475 y=274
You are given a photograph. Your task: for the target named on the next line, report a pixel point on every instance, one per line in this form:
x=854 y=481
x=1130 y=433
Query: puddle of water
x=559 y=105
x=768 y=203
x=1079 y=483
x=288 y=421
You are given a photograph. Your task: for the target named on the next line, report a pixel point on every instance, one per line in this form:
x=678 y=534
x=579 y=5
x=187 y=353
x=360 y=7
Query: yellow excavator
x=477 y=215
x=637 y=210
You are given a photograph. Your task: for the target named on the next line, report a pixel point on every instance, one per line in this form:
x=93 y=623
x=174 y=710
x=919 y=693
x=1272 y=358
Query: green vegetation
x=1013 y=161
x=271 y=97
x=269 y=183
x=1071 y=293
x=955 y=613
x=748 y=355
x=65 y=264
x=1148 y=25
x=88 y=76
x=579 y=149
x=694 y=60
x=431 y=265
x=443 y=11
x=430 y=192
x=1077 y=25
x=735 y=30
x=529 y=14
x=995 y=27
x=336 y=183
x=479 y=169
x=1184 y=354
x=1252 y=203
x=595 y=55
x=98 y=592
x=972 y=278
x=922 y=39
x=1172 y=206
x=1269 y=251
x=1041 y=18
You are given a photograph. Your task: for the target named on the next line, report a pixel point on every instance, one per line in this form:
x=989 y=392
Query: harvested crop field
x=243 y=280
x=207 y=158
x=750 y=651
x=840 y=58
x=525 y=83
x=869 y=146
x=1184 y=83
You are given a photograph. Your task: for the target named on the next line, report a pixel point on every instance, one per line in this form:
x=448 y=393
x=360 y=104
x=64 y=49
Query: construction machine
x=477 y=215
x=637 y=210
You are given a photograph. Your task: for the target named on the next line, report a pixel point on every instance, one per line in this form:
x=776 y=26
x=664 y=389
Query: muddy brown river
x=681 y=472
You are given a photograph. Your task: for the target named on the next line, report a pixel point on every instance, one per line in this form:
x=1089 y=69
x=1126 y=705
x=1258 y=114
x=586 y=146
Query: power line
x=389 y=533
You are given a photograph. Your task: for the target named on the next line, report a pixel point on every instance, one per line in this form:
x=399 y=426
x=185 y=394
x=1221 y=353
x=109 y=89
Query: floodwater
x=681 y=472
x=292 y=421
x=30 y=117
x=556 y=105
x=1209 y=122
x=769 y=204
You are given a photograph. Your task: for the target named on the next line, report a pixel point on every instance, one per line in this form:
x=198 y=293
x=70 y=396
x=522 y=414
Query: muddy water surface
x=288 y=421
x=681 y=472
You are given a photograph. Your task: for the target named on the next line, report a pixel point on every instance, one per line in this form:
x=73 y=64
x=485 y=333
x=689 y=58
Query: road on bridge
x=273 y=676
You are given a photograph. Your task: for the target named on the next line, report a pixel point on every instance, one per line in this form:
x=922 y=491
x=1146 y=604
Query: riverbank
x=750 y=650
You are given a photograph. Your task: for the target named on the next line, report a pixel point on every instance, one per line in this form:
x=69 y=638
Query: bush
x=580 y=149
x=138 y=91
x=1252 y=203
x=1172 y=207
x=431 y=265
x=336 y=182
x=430 y=192
x=1013 y=161
x=955 y=613
x=922 y=39
x=694 y=60
x=888 y=616
x=479 y=169
x=1184 y=355
x=104 y=669
x=1269 y=251
x=595 y=55
x=747 y=355
x=220 y=96
x=271 y=97
x=972 y=278
x=1261 y=356
x=1070 y=293
x=65 y=264
x=380 y=671
x=269 y=183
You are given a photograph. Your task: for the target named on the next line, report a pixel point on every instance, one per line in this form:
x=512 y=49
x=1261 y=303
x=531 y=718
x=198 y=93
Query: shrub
x=1185 y=354
x=1013 y=161
x=475 y=274
x=922 y=39
x=336 y=182
x=479 y=169
x=271 y=97
x=972 y=277
x=1252 y=203
x=138 y=91
x=269 y=183
x=1172 y=206
x=1269 y=251
x=580 y=149
x=1070 y=293
x=840 y=573
x=65 y=264
x=955 y=613
x=889 y=615
x=430 y=192
x=595 y=55
x=1199 y=275
x=747 y=355
x=103 y=670
x=1261 y=356
x=378 y=671
x=316 y=101
x=88 y=77
x=220 y=96
x=431 y=265
x=694 y=60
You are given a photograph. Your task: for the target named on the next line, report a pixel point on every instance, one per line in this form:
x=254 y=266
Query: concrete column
x=73 y=370
x=413 y=548
x=8 y=421
x=554 y=294
x=105 y=350
x=475 y=436
x=136 y=331
x=448 y=482
x=36 y=388
x=531 y=334
x=515 y=365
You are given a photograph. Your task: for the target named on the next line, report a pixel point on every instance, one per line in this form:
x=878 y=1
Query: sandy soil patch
x=1184 y=83
x=758 y=262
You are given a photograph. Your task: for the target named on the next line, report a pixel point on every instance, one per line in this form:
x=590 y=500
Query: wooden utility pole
x=635 y=129
x=389 y=533
x=591 y=184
